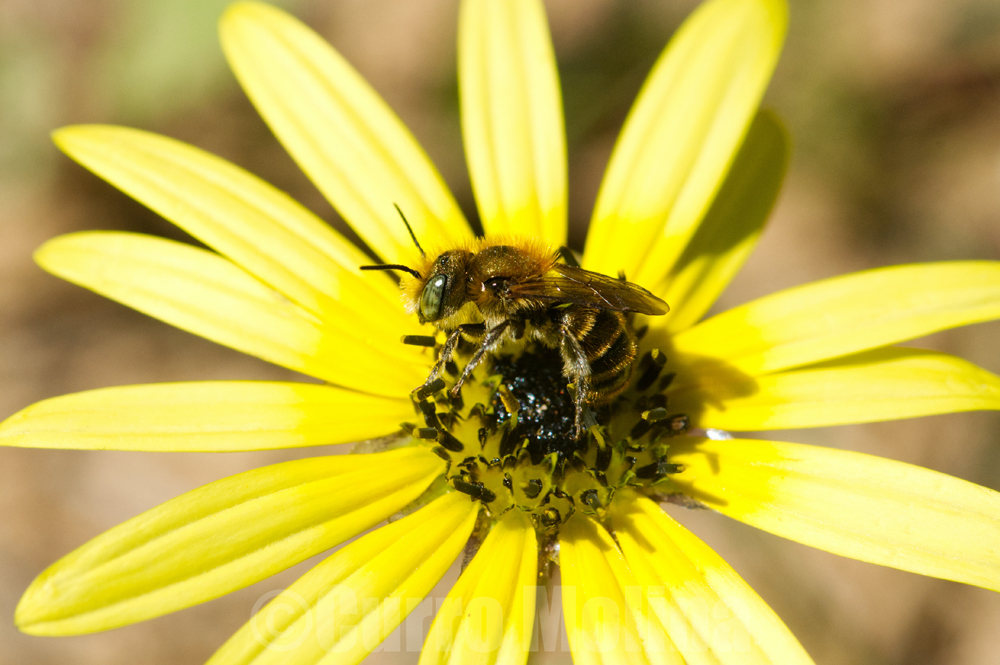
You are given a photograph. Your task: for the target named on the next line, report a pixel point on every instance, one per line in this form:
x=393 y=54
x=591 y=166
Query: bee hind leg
x=576 y=366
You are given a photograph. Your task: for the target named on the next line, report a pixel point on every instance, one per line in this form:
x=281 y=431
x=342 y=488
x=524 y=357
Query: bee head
x=446 y=288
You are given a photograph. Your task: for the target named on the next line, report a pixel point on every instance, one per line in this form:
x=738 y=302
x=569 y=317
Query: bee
x=494 y=291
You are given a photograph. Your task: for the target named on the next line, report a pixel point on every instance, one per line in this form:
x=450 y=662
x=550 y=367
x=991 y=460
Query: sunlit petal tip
x=340 y=132
x=681 y=136
x=207 y=416
x=846 y=314
x=343 y=608
x=693 y=591
x=855 y=505
x=221 y=537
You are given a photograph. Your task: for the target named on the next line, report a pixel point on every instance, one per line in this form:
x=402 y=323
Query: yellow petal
x=884 y=384
x=682 y=135
x=221 y=537
x=729 y=232
x=712 y=615
x=842 y=315
x=209 y=416
x=338 y=129
x=253 y=224
x=855 y=505
x=205 y=294
x=512 y=119
x=488 y=615
x=608 y=619
x=343 y=608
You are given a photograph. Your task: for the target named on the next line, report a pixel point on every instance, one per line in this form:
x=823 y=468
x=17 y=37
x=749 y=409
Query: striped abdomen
x=610 y=347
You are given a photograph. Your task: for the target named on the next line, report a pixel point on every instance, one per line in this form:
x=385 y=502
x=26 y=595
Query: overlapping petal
x=343 y=608
x=250 y=222
x=606 y=612
x=512 y=119
x=711 y=614
x=730 y=229
x=338 y=129
x=221 y=537
x=206 y=416
x=855 y=505
x=205 y=294
x=884 y=384
x=488 y=615
x=842 y=315
x=682 y=135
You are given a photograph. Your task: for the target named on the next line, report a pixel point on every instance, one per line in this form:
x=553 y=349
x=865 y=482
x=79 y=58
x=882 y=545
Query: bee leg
x=578 y=367
x=492 y=338
x=475 y=329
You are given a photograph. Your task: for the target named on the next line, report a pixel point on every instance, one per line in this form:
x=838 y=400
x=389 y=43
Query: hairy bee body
x=494 y=292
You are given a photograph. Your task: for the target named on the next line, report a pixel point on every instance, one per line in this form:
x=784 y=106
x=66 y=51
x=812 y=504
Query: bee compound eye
x=432 y=298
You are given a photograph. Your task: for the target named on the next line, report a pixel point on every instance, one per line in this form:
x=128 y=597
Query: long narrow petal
x=608 y=619
x=682 y=135
x=221 y=537
x=338 y=129
x=855 y=505
x=842 y=315
x=884 y=384
x=242 y=217
x=343 y=608
x=209 y=416
x=729 y=232
x=205 y=294
x=512 y=119
x=712 y=615
x=488 y=615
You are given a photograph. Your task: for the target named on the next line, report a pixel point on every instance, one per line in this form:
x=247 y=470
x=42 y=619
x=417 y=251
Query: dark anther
x=641 y=331
x=428 y=433
x=601 y=478
x=448 y=440
x=475 y=490
x=429 y=411
x=679 y=424
x=550 y=517
x=451 y=368
x=654 y=415
x=640 y=428
x=483 y=436
x=657 y=469
x=533 y=489
x=507 y=482
x=592 y=499
x=666 y=381
x=657 y=359
x=629 y=462
x=418 y=340
x=457 y=402
x=431 y=388
x=657 y=401
x=442 y=453
x=508 y=442
x=603 y=458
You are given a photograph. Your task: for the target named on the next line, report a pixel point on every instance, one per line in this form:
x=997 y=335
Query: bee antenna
x=408 y=228
x=392 y=266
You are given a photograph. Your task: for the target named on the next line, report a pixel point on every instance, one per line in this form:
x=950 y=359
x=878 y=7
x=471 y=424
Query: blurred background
x=894 y=111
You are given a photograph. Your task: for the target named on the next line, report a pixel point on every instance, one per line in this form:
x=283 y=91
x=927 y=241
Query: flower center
x=510 y=442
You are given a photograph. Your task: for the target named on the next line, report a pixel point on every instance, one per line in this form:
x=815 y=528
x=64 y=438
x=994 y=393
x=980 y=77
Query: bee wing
x=576 y=285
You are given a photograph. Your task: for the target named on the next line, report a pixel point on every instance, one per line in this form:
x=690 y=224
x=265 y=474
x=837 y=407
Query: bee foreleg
x=476 y=329
x=578 y=367
x=490 y=340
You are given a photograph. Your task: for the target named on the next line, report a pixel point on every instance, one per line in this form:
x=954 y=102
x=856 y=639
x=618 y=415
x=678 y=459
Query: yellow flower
x=689 y=185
